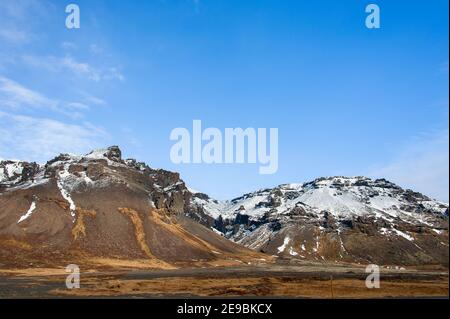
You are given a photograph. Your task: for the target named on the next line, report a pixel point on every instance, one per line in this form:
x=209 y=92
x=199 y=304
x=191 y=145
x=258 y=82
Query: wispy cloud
x=14 y=36
x=422 y=165
x=31 y=125
x=18 y=97
x=90 y=99
x=75 y=67
x=21 y=9
x=18 y=18
x=66 y=45
x=39 y=139
x=14 y=95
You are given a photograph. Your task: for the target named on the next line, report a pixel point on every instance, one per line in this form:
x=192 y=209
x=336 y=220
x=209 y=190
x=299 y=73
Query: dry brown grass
x=141 y=240
x=33 y=272
x=157 y=216
x=283 y=287
x=61 y=203
x=130 y=264
x=138 y=229
x=79 y=228
x=222 y=258
x=13 y=243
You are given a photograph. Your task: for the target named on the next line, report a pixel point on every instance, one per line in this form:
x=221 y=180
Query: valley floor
x=271 y=280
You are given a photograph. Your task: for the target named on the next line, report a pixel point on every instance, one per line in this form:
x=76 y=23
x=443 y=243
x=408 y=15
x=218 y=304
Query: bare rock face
x=99 y=206
x=356 y=220
x=114 y=153
x=14 y=172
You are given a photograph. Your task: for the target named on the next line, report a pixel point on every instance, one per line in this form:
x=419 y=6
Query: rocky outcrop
x=15 y=172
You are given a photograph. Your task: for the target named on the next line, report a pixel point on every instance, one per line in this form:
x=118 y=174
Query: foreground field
x=293 y=281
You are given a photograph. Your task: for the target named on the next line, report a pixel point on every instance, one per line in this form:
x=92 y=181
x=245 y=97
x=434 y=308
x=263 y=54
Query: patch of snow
x=402 y=234
x=193 y=191
x=14 y=168
x=213 y=208
x=340 y=203
x=28 y=213
x=100 y=154
x=39 y=179
x=62 y=175
x=285 y=243
x=216 y=231
x=3 y=176
x=11 y=169
x=97 y=154
x=170 y=187
x=86 y=179
x=316 y=249
x=292 y=252
x=256 y=238
x=341 y=242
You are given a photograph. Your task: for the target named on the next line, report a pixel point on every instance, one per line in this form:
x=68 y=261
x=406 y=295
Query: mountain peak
x=113 y=153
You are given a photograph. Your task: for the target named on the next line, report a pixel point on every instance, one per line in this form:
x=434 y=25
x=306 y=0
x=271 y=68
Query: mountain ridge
x=334 y=219
x=327 y=211
x=99 y=207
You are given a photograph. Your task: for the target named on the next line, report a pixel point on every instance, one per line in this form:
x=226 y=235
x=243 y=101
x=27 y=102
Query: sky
x=347 y=100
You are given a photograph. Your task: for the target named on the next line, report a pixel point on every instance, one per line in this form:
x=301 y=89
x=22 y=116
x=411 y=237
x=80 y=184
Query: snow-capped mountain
x=92 y=207
x=337 y=218
x=99 y=204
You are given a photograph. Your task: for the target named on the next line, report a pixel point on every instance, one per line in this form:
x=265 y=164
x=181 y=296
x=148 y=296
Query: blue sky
x=346 y=100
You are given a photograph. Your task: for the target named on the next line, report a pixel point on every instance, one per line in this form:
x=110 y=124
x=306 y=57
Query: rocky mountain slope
x=99 y=207
x=334 y=219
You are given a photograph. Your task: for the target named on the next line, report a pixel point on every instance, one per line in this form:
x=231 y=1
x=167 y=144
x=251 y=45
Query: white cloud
x=40 y=139
x=81 y=69
x=14 y=36
x=16 y=96
x=94 y=100
x=22 y=9
x=421 y=165
x=18 y=19
x=77 y=106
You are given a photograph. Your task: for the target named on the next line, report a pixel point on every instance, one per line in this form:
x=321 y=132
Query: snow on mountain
x=341 y=196
x=10 y=170
x=329 y=212
x=348 y=219
x=100 y=205
x=28 y=213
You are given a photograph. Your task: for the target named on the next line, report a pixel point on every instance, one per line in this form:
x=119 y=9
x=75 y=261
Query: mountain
x=341 y=219
x=99 y=208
